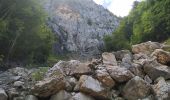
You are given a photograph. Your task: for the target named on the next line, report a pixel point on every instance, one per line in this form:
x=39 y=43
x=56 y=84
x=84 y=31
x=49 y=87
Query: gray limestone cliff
x=80 y=26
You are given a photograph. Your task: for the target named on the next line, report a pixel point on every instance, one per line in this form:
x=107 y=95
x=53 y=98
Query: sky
x=118 y=7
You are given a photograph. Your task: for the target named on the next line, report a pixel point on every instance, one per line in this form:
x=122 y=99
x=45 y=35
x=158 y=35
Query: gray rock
x=147 y=79
x=31 y=97
x=146 y=48
x=3 y=95
x=104 y=77
x=93 y=87
x=137 y=70
x=136 y=88
x=50 y=85
x=126 y=61
x=18 y=71
x=12 y=93
x=70 y=83
x=7 y=78
x=119 y=74
x=109 y=59
x=18 y=84
x=80 y=26
x=81 y=96
x=61 y=95
x=73 y=68
x=154 y=70
x=161 y=89
x=121 y=54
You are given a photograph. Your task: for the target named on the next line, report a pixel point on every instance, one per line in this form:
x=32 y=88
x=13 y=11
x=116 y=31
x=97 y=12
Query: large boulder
x=3 y=95
x=104 y=77
x=119 y=74
x=146 y=48
x=62 y=95
x=154 y=70
x=81 y=96
x=121 y=54
x=162 y=56
x=137 y=70
x=93 y=87
x=126 y=61
x=73 y=67
x=136 y=89
x=161 y=89
x=49 y=85
x=109 y=59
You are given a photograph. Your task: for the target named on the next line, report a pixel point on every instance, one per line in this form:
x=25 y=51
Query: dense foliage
x=24 y=36
x=149 y=20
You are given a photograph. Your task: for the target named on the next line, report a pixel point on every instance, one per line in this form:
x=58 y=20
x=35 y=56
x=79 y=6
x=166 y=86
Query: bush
x=39 y=74
x=116 y=42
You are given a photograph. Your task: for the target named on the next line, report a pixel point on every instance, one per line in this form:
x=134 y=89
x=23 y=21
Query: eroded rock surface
x=80 y=26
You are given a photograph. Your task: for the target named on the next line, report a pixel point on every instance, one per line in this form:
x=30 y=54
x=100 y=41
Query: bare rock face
x=93 y=87
x=119 y=74
x=80 y=26
x=154 y=70
x=146 y=48
x=161 y=89
x=136 y=89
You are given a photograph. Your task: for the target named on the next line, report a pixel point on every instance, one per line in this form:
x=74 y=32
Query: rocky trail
x=142 y=74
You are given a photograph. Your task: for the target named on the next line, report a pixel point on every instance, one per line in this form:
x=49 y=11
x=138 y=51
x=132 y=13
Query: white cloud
x=118 y=7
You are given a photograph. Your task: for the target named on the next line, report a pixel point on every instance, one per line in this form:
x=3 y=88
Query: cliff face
x=80 y=26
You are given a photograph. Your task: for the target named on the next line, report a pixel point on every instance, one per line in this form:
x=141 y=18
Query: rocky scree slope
x=80 y=26
x=142 y=74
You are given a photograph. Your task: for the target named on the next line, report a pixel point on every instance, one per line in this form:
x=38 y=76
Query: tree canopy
x=149 y=20
x=24 y=36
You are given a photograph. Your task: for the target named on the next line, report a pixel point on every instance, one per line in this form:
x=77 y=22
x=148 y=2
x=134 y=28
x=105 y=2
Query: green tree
x=24 y=36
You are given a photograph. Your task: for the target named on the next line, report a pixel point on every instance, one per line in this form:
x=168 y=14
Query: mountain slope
x=80 y=26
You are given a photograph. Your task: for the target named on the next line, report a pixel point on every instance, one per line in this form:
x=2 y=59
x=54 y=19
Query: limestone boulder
x=73 y=67
x=146 y=48
x=154 y=70
x=93 y=87
x=109 y=59
x=104 y=77
x=136 y=89
x=119 y=74
x=50 y=85
x=161 y=89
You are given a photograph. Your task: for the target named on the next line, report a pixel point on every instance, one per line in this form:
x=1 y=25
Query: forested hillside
x=24 y=36
x=149 y=20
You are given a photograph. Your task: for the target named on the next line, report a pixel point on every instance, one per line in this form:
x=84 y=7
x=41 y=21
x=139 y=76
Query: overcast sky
x=118 y=7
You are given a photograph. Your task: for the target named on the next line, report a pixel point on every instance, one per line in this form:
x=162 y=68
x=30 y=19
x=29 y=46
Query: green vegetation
x=149 y=20
x=39 y=74
x=24 y=36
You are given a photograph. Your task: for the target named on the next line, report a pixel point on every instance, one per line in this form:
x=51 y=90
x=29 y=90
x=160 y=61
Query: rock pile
x=142 y=74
